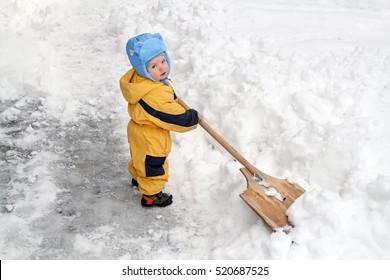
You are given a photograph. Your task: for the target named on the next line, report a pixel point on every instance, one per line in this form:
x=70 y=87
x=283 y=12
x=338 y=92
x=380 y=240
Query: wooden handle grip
x=224 y=143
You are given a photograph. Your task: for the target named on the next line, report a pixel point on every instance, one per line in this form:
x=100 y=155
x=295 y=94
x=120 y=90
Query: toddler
x=154 y=112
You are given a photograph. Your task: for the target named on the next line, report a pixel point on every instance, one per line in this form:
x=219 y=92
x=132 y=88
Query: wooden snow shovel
x=268 y=196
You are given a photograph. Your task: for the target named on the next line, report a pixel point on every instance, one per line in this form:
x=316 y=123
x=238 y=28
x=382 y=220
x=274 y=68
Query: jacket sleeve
x=170 y=115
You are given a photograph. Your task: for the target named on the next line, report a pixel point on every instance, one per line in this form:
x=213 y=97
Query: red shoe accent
x=149 y=200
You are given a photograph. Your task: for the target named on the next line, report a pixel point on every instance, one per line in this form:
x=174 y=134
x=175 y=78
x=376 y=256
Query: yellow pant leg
x=153 y=185
x=149 y=185
x=149 y=149
x=132 y=170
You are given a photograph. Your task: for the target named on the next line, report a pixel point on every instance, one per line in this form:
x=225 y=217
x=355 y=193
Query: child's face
x=158 y=67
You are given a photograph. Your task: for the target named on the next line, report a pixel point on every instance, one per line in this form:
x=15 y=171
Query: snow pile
x=314 y=115
x=300 y=88
x=331 y=225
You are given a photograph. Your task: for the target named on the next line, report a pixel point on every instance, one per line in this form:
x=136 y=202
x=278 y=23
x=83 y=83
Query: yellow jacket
x=154 y=112
x=153 y=103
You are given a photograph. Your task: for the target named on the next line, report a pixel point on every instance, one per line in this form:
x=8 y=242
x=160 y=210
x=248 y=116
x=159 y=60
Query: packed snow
x=300 y=88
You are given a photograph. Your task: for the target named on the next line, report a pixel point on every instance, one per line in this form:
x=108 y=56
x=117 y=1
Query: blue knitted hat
x=142 y=48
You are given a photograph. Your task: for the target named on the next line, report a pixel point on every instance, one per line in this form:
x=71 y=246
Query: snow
x=300 y=88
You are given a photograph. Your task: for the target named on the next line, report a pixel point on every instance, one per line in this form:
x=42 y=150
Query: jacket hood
x=134 y=87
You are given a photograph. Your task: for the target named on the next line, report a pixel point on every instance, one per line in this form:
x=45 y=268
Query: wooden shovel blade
x=272 y=210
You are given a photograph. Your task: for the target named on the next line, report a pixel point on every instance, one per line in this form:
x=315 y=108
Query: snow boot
x=134 y=182
x=160 y=200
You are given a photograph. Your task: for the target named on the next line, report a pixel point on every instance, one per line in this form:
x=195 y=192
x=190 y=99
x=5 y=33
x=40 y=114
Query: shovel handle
x=224 y=143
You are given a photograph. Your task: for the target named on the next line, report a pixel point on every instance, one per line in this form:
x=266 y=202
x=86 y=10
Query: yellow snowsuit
x=154 y=112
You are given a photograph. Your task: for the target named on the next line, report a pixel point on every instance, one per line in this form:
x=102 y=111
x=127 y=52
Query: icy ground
x=300 y=88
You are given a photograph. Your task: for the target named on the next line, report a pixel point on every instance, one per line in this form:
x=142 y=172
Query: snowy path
x=300 y=89
x=89 y=208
